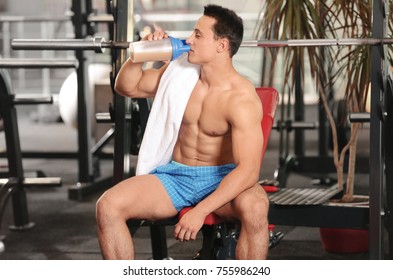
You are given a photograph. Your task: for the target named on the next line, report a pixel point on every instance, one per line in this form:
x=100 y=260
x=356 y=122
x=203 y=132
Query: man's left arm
x=245 y=118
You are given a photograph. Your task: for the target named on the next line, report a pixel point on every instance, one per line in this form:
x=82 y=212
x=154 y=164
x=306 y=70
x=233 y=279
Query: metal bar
x=85 y=158
x=90 y=28
x=322 y=130
x=158 y=242
x=39 y=181
x=38 y=63
x=103 y=118
x=14 y=155
x=3 y=181
x=100 y=18
x=324 y=164
x=316 y=42
x=359 y=117
x=33 y=18
x=327 y=90
x=7 y=188
x=324 y=215
x=116 y=45
x=388 y=138
x=46 y=32
x=56 y=154
x=82 y=190
x=106 y=118
x=98 y=43
x=45 y=154
x=21 y=78
x=376 y=132
x=28 y=99
x=299 y=110
x=123 y=10
x=43 y=181
x=106 y=18
x=6 y=29
x=96 y=149
x=181 y=17
x=94 y=44
x=295 y=125
x=110 y=25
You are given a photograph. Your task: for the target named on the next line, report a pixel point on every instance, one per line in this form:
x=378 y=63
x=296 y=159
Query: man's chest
x=206 y=112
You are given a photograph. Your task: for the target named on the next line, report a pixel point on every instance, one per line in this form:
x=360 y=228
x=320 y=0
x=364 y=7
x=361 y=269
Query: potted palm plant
x=328 y=66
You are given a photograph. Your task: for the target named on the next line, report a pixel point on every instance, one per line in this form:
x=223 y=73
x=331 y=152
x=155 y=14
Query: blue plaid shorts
x=188 y=185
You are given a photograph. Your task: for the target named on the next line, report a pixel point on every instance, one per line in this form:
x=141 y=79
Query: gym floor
x=66 y=229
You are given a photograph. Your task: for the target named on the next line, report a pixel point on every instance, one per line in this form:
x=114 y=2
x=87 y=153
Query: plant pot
x=344 y=240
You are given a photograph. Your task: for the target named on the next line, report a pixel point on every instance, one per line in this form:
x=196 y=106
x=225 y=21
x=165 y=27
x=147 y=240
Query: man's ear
x=223 y=45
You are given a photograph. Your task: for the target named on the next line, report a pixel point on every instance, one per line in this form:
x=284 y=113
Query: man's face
x=202 y=42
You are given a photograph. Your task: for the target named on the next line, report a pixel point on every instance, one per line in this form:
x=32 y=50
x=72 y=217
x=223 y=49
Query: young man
x=220 y=134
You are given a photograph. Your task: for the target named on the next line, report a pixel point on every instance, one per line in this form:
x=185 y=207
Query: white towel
x=166 y=114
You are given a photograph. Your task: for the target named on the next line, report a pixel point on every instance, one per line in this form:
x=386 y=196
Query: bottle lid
x=178 y=47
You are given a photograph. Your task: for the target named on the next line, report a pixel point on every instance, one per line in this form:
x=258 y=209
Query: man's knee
x=253 y=208
x=106 y=210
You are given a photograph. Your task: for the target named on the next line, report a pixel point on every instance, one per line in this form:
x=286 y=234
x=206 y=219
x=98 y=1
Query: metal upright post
x=376 y=145
x=14 y=156
x=90 y=29
x=322 y=118
x=85 y=159
x=388 y=148
x=122 y=11
x=111 y=23
x=388 y=138
x=299 y=112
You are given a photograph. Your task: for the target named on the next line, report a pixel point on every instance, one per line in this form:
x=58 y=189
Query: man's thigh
x=141 y=197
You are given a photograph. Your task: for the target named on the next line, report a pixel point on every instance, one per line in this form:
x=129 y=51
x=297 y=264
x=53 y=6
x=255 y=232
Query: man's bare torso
x=205 y=133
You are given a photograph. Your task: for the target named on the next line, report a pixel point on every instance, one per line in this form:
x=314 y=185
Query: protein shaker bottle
x=158 y=50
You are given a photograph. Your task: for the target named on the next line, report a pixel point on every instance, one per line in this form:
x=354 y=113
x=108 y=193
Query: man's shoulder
x=242 y=88
x=244 y=99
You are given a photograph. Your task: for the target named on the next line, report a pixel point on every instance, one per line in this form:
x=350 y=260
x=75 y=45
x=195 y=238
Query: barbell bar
x=98 y=44
x=317 y=42
x=38 y=63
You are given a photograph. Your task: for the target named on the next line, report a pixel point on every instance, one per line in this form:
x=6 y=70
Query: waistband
x=202 y=170
x=200 y=166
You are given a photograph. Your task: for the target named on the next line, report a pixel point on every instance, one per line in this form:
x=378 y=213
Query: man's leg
x=250 y=208
x=139 y=197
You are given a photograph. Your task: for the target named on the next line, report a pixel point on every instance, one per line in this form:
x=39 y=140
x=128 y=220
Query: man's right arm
x=136 y=82
x=133 y=81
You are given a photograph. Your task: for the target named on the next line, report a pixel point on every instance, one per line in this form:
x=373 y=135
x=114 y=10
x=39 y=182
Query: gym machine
x=372 y=218
x=87 y=154
x=13 y=183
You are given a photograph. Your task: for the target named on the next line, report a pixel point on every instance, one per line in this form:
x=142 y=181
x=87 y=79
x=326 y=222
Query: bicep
x=148 y=85
x=247 y=136
x=134 y=82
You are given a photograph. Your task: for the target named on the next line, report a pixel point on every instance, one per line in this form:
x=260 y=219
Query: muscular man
x=220 y=140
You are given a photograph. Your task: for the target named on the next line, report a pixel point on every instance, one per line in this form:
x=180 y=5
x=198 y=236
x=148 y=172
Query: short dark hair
x=228 y=25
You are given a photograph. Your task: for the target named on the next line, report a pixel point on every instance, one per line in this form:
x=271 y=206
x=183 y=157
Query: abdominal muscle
x=196 y=148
